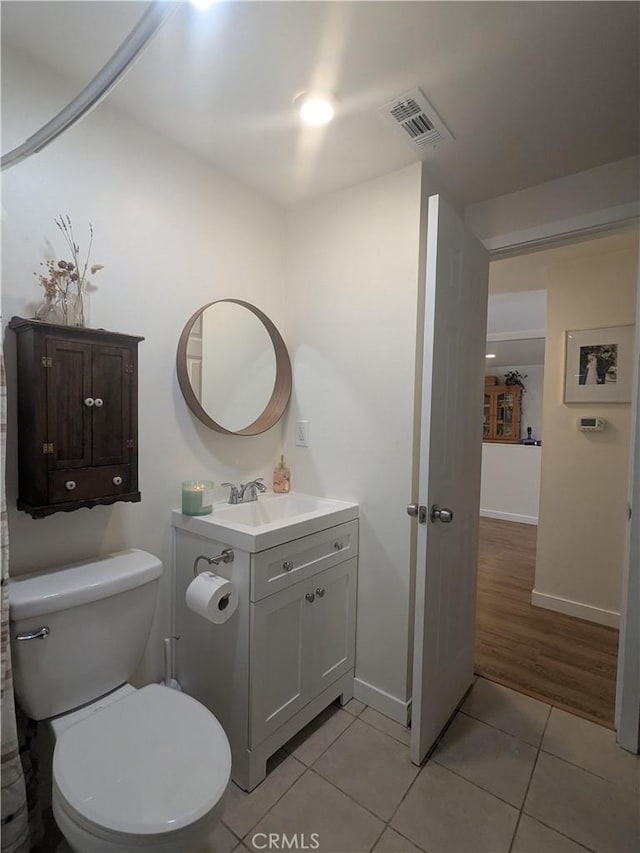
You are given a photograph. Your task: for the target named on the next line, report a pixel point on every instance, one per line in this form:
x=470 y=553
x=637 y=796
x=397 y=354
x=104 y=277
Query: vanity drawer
x=279 y=567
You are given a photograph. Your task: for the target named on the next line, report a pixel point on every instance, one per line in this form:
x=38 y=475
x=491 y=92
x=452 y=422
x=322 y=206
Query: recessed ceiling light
x=315 y=108
x=490 y=355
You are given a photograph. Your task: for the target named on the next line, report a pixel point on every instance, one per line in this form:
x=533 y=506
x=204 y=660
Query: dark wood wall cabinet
x=77 y=417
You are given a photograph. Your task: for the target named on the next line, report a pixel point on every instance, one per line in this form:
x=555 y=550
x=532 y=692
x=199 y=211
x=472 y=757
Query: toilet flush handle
x=40 y=634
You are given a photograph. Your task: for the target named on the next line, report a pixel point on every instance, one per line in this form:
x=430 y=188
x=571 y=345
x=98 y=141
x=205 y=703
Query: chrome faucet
x=247 y=492
x=251 y=490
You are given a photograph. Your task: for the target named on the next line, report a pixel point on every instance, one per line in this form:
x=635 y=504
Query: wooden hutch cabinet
x=77 y=417
x=502 y=413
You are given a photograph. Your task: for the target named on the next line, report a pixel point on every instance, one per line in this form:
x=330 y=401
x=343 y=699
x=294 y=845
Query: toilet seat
x=154 y=763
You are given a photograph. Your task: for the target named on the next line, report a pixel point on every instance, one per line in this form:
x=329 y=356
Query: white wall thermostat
x=591 y=424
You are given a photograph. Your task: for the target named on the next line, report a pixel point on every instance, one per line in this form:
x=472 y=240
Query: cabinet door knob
x=117 y=481
x=338 y=545
x=70 y=485
x=310 y=596
x=287 y=566
x=89 y=401
x=98 y=402
x=320 y=592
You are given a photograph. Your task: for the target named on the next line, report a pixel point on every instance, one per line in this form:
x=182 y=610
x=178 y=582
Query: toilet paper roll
x=213 y=597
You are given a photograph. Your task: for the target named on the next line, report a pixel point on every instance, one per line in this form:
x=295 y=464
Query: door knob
x=310 y=596
x=412 y=510
x=98 y=402
x=441 y=514
x=89 y=401
x=320 y=592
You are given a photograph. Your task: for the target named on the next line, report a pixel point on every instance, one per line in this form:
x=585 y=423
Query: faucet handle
x=233 y=494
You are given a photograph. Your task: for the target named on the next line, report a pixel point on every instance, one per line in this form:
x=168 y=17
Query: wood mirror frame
x=280 y=396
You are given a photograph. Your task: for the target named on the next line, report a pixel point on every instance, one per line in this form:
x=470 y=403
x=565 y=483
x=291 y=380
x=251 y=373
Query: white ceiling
x=515 y=353
x=531 y=91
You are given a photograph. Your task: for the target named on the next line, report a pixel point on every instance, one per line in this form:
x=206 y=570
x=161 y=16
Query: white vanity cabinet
x=289 y=649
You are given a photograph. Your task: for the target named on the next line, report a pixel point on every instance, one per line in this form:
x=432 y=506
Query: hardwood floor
x=564 y=661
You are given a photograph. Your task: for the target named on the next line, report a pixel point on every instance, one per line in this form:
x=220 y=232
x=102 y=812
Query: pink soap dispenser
x=281 y=478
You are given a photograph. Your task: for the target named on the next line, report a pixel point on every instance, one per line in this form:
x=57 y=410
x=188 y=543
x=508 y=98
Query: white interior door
x=455 y=319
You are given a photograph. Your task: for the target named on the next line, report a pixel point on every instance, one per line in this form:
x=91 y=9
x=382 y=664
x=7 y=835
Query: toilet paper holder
x=226 y=556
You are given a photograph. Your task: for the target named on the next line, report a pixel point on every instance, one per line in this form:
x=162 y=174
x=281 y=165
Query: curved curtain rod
x=154 y=17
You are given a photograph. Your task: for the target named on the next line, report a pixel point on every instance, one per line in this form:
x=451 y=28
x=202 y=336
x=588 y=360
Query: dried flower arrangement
x=67 y=281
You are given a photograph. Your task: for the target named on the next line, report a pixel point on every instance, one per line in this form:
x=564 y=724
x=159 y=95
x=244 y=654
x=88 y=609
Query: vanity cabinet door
x=302 y=640
x=333 y=630
x=280 y=676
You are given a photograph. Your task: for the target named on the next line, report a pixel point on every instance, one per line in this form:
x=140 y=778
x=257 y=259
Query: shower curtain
x=15 y=822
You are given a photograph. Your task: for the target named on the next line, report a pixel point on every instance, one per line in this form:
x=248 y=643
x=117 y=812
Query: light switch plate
x=302 y=433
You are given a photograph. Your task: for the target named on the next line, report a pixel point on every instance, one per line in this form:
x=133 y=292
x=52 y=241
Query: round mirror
x=233 y=368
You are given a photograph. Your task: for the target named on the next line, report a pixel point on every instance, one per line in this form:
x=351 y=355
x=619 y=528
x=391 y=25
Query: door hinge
x=47 y=448
x=46 y=361
x=128 y=368
x=129 y=443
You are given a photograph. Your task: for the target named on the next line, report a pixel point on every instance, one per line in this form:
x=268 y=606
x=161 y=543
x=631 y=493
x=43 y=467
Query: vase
x=49 y=311
x=72 y=305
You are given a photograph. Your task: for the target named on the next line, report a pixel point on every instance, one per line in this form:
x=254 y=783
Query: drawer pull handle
x=320 y=592
x=98 y=402
x=117 y=481
x=310 y=596
x=89 y=401
x=70 y=485
x=338 y=545
x=287 y=565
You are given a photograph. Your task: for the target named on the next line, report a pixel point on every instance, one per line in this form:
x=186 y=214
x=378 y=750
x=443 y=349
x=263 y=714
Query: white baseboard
x=509 y=516
x=387 y=704
x=576 y=608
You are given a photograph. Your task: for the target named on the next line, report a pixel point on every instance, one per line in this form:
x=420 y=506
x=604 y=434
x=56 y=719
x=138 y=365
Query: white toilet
x=143 y=770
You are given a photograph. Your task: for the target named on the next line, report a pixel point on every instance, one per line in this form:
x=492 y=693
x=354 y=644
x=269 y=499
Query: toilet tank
x=98 y=615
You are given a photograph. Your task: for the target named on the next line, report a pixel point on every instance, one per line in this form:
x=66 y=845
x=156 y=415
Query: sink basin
x=271 y=520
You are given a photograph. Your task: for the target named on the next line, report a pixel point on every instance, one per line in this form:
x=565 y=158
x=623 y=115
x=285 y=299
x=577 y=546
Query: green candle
x=197 y=497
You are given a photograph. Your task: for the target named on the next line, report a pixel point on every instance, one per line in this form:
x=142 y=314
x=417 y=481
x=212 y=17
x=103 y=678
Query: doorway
x=550 y=563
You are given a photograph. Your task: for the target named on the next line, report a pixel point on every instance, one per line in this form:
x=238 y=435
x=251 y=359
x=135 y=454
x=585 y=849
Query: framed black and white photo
x=599 y=364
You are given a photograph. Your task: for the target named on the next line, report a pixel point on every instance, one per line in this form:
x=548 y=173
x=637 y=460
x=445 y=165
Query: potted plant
x=514 y=377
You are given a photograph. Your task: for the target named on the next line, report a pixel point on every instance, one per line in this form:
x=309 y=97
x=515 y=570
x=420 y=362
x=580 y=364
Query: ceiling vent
x=416 y=120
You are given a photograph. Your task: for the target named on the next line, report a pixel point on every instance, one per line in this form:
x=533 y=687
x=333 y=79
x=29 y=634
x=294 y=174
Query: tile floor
x=511 y=775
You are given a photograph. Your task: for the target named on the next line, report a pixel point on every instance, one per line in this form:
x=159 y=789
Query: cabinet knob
x=287 y=566
x=117 y=481
x=98 y=402
x=89 y=401
x=310 y=596
x=338 y=545
x=320 y=592
x=70 y=485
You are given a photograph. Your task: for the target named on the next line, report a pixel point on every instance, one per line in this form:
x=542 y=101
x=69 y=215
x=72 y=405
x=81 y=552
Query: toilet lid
x=153 y=762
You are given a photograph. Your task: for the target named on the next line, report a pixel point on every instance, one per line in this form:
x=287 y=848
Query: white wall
x=583 y=494
x=510 y=487
x=173 y=234
x=352 y=279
